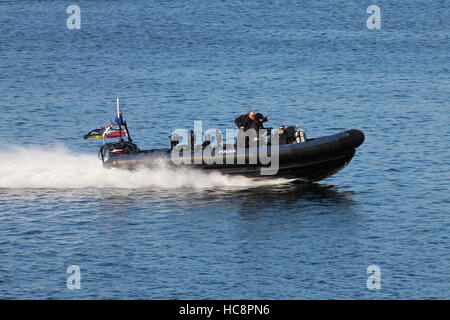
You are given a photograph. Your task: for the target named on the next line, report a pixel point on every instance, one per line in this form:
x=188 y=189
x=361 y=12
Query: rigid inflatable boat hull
x=309 y=161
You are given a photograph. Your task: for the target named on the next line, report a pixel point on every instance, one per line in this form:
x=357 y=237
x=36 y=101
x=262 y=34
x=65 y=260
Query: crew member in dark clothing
x=259 y=120
x=251 y=120
x=245 y=121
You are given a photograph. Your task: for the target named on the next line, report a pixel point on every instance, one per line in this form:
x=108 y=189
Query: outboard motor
x=117 y=148
x=174 y=140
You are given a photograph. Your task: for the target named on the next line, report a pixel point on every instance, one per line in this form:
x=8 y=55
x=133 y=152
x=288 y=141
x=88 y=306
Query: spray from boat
x=57 y=167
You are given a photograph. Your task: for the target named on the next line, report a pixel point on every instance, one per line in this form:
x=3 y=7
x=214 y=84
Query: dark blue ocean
x=166 y=235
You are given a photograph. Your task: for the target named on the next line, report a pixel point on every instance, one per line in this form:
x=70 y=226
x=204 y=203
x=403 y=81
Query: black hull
x=309 y=161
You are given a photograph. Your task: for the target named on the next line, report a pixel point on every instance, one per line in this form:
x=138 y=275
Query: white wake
x=57 y=167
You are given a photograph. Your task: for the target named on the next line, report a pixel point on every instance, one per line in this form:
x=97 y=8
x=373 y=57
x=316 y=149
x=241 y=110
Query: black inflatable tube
x=312 y=160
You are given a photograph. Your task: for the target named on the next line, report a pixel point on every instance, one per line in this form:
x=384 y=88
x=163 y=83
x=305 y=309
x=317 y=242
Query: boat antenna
x=119 y=119
x=120 y=122
x=117 y=107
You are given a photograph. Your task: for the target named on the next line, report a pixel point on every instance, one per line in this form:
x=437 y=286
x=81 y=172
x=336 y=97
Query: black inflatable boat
x=310 y=160
x=290 y=155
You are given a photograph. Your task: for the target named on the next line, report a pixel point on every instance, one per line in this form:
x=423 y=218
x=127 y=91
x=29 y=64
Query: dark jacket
x=243 y=121
x=258 y=122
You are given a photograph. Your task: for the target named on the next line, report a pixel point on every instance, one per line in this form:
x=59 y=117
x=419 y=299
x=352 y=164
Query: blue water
x=166 y=235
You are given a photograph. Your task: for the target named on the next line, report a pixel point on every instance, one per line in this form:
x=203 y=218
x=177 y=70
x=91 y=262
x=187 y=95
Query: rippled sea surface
x=187 y=235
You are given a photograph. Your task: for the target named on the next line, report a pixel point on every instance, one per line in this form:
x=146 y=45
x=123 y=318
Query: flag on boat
x=109 y=131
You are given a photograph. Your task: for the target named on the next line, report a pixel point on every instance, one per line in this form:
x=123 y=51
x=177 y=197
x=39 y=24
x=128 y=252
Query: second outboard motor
x=174 y=140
